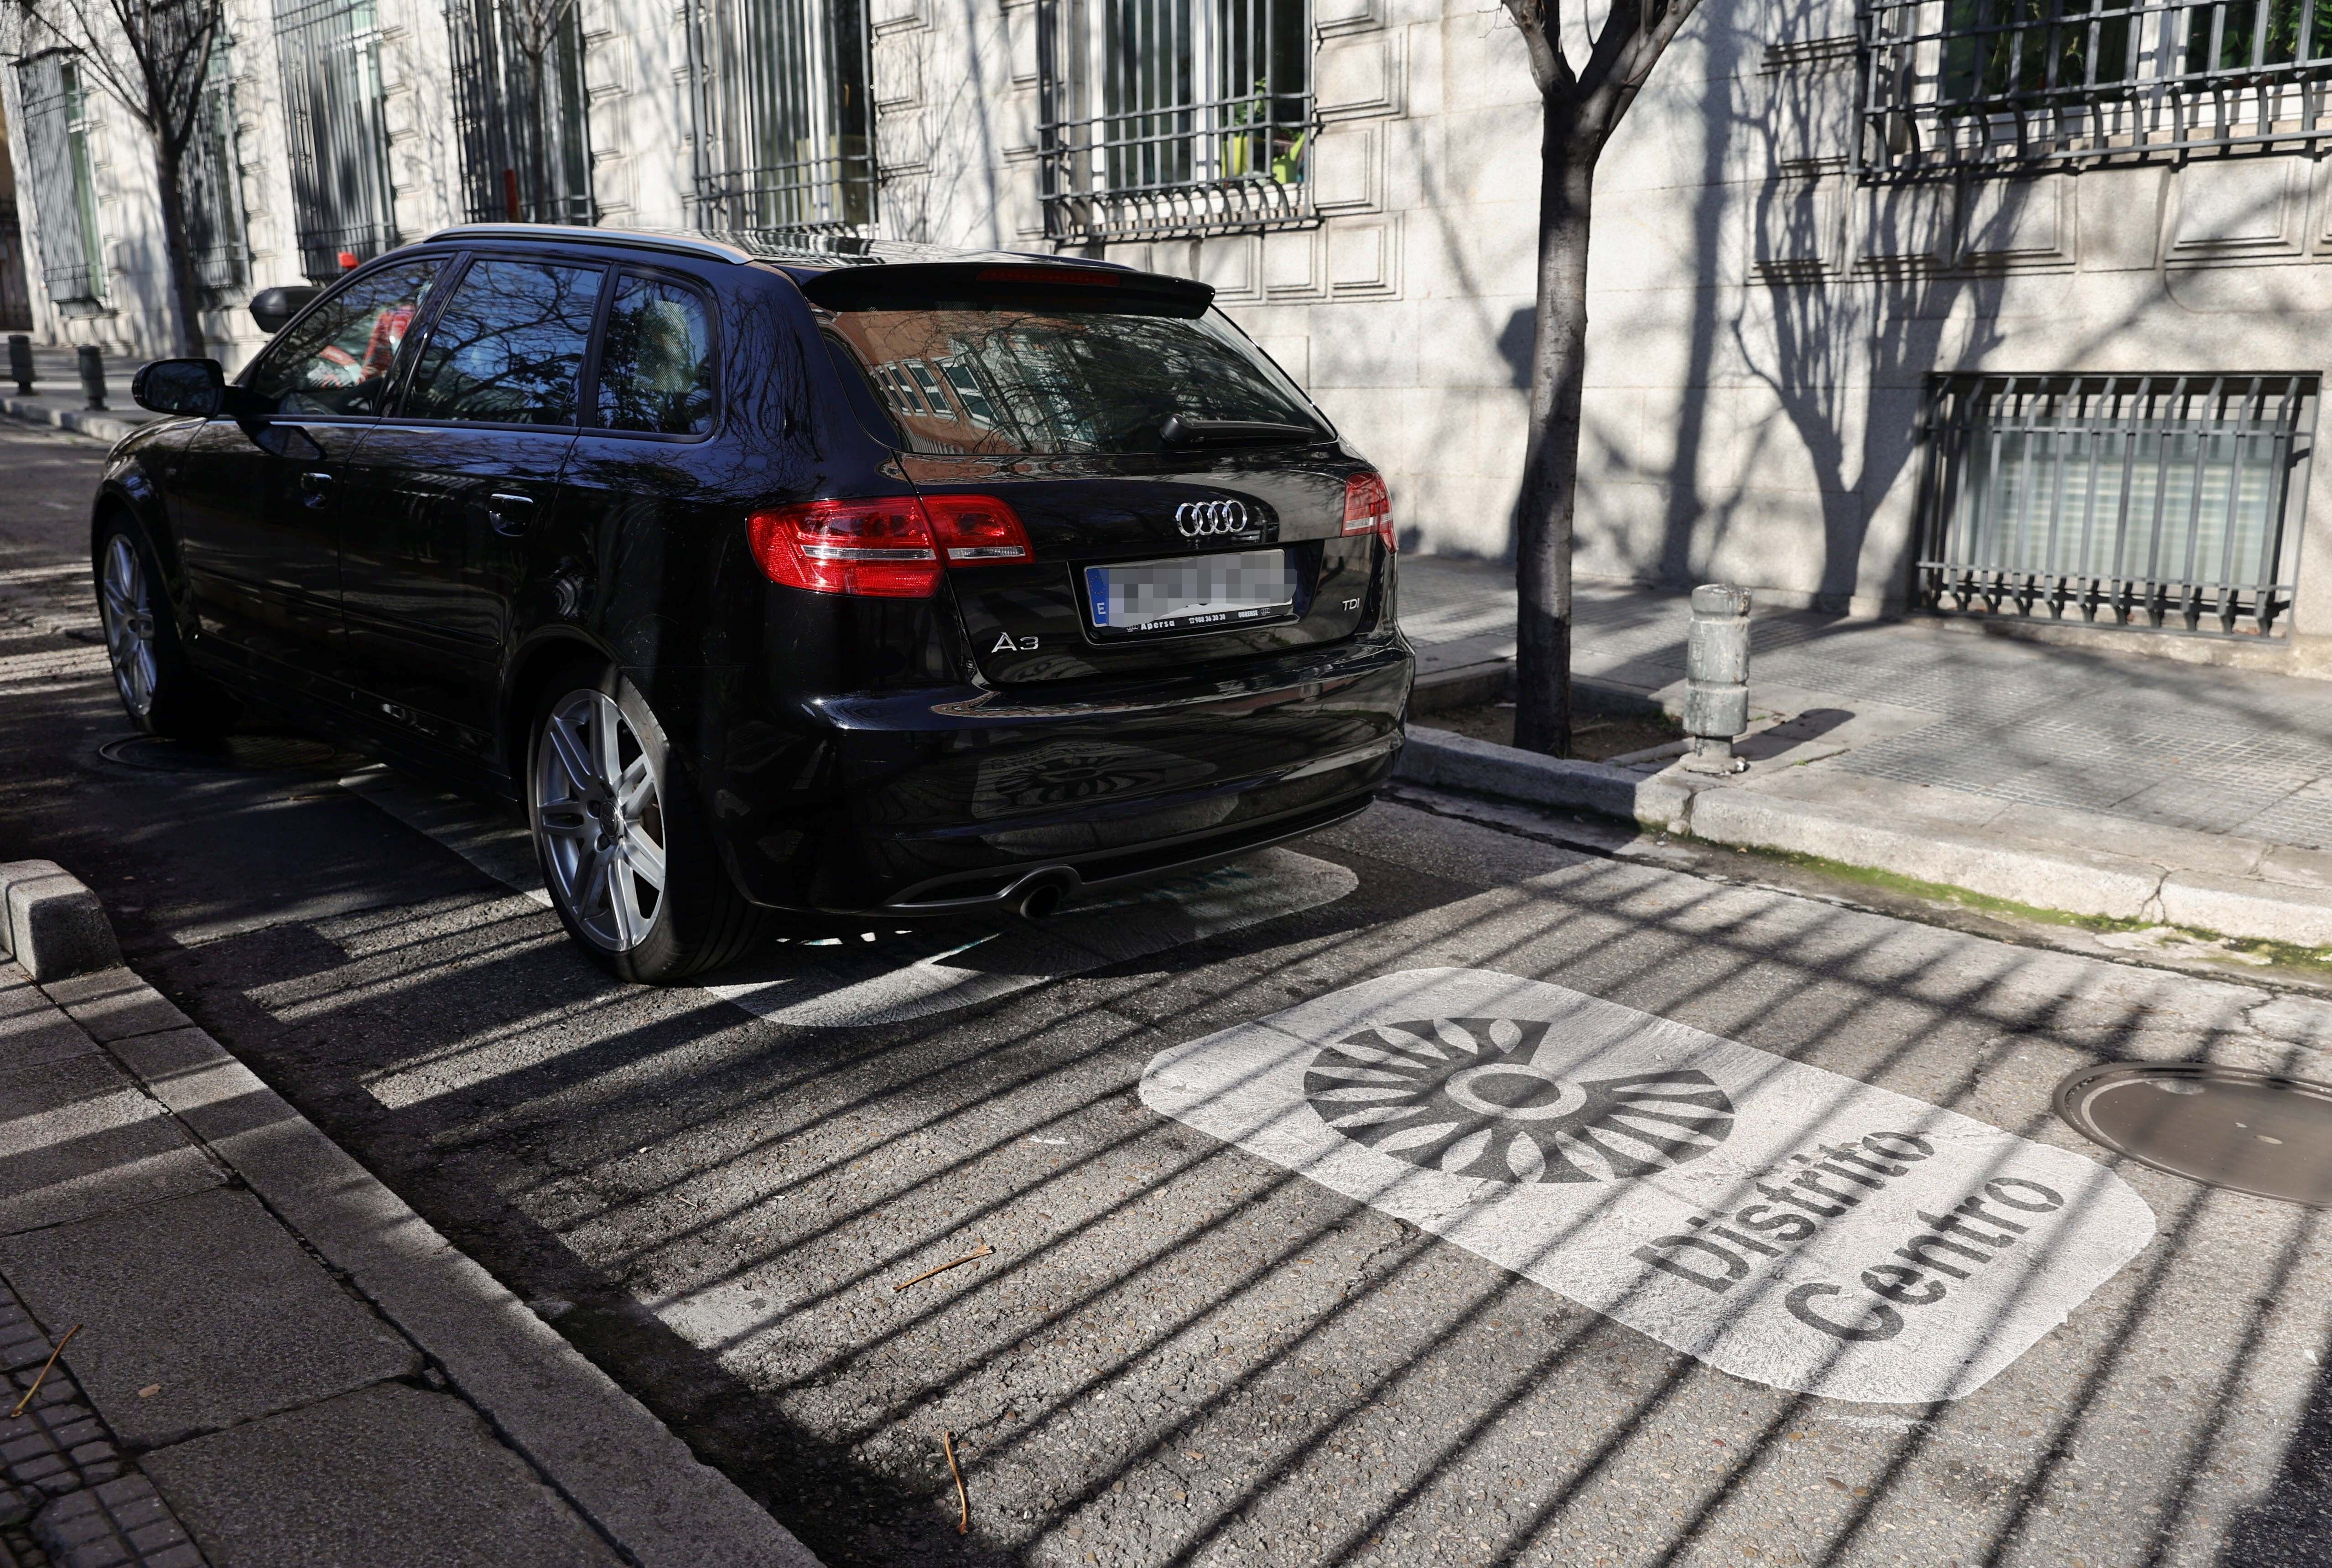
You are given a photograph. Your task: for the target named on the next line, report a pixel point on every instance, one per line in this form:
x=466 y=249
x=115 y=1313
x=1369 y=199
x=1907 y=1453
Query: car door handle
x=315 y=489
x=511 y=514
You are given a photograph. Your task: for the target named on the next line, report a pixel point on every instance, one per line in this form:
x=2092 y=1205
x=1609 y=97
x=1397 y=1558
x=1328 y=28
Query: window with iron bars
x=211 y=175
x=330 y=55
x=1174 y=117
x=1959 y=83
x=784 y=129
x=521 y=111
x=57 y=127
x=2149 y=500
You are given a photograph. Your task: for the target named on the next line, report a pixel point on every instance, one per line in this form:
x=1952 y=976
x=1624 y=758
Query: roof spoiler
x=1062 y=286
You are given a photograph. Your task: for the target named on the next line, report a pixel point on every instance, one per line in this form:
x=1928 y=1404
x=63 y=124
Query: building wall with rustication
x=1763 y=320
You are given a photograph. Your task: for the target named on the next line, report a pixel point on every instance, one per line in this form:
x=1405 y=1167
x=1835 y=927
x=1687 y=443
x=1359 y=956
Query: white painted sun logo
x=1464 y=1096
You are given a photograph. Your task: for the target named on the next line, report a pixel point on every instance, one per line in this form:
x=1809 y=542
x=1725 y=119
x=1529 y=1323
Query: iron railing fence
x=2155 y=501
x=1952 y=84
x=211 y=176
x=784 y=133
x=330 y=54
x=521 y=111
x=1174 y=117
x=64 y=195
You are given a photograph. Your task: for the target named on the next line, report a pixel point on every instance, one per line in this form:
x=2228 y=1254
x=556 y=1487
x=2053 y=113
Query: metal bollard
x=20 y=362
x=92 y=375
x=1717 y=677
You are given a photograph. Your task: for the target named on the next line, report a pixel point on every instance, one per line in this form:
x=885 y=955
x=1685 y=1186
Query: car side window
x=508 y=347
x=337 y=359
x=655 y=368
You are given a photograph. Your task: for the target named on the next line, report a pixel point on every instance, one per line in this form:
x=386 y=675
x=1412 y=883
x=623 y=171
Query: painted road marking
x=1781 y=1222
x=888 y=975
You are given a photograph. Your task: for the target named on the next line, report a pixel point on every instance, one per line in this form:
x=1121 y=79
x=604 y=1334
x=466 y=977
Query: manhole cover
x=2256 y=1133
x=236 y=754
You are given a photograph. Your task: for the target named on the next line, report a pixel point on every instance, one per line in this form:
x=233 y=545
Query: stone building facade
x=1977 y=305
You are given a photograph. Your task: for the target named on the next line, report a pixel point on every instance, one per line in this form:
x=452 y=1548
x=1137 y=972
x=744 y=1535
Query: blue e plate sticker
x=1781 y=1222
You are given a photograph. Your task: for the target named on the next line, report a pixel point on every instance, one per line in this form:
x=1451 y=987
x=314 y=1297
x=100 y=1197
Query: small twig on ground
x=45 y=1365
x=982 y=1250
x=963 y=1501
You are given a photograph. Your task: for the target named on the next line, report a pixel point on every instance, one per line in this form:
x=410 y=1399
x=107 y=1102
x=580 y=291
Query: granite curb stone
x=51 y=924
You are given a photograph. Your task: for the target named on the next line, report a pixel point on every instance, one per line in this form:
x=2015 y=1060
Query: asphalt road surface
x=1213 y=1325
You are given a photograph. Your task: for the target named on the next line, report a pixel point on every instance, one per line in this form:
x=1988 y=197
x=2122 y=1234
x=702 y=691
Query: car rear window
x=1009 y=381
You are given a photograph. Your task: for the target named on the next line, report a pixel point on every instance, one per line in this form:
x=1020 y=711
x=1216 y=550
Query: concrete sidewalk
x=57 y=398
x=2120 y=786
x=273 y=1359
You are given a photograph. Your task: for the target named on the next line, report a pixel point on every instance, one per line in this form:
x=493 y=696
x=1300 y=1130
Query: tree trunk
x=178 y=249
x=1543 y=521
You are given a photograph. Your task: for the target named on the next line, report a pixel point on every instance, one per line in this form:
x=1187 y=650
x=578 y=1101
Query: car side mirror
x=196 y=387
x=274 y=309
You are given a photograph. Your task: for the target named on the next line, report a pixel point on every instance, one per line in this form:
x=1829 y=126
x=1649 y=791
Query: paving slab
x=113 y=1004
x=614 y=1459
x=34 y=1031
x=385 y=1478
x=208 y=1297
x=78 y=1138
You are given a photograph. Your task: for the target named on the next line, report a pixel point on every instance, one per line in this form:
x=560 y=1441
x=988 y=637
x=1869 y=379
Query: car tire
x=611 y=815
x=159 y=688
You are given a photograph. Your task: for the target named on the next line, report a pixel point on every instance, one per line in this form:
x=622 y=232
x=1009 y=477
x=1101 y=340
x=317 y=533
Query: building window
x=331 y=52
x=784 y=133
x=2024 y=83
x=57 y=125
x=521 y=110
x=1174 y=117
x=2154 y=501
x=211 y=178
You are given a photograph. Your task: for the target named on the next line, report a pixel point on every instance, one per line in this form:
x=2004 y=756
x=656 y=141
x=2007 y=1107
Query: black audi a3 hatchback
x=876 y=581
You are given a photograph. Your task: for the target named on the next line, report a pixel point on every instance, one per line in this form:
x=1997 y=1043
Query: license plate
x=1206 y=590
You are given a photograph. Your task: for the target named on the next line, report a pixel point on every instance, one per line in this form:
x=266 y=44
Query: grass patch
x=2256 y=953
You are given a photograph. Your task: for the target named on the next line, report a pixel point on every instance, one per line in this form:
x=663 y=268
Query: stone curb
x=51 y=924
x=108 y=427
x=1445 y=760
x=603 y=1452
x=2052 y=875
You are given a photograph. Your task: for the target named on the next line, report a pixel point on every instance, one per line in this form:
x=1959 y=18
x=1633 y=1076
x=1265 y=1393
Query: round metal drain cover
x=236 y=754
x=2257 y=1133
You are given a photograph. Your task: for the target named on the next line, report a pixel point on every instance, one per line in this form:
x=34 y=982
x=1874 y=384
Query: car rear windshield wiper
x=1180 y=430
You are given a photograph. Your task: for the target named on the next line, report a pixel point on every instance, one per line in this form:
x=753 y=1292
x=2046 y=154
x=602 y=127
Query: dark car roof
x=799 y=253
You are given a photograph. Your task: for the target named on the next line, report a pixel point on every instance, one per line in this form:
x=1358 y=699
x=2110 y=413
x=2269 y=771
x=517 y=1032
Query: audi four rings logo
x=1210 y=519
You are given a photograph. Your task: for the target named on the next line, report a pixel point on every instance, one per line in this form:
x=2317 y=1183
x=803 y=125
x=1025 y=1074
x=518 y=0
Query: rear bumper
x=937 y=801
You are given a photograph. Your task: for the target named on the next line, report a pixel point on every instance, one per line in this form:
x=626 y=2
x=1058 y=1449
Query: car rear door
x=453 y=486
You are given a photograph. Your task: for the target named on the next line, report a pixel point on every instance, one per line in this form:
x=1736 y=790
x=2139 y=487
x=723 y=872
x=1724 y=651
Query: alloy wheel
x=599 y=816
x=127 y=609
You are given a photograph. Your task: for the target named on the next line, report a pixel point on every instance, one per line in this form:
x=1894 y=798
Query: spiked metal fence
x=1174 y=117
x=1955 y=84
x=330 y=54
x=521 y=110
x=2155 y=501
x=784 y=133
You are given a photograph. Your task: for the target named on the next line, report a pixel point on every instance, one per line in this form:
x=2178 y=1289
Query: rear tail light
x=1367 y=507
x=973 y=529
x=873 y=548
x=893 y=548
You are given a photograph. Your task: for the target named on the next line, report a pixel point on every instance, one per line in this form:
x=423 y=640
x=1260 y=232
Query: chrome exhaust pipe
x=1039 y=899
